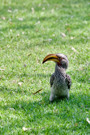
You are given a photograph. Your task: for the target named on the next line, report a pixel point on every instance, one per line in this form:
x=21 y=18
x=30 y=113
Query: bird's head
x=60 y=59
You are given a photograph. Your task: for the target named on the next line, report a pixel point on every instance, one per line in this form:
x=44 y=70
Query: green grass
x=29 y=30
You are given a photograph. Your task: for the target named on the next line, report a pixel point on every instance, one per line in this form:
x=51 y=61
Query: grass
x=29 y=30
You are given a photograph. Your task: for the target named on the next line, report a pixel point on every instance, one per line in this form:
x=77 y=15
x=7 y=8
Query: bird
x=60 y=82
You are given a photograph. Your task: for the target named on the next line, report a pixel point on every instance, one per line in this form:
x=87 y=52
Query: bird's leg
x=52 y=96
x=67 y=96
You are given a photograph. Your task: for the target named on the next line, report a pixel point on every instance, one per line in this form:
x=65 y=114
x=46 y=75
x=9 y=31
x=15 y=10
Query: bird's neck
x=59 y=70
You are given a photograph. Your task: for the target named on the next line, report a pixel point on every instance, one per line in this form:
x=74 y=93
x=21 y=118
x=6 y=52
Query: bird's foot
x=67 y=97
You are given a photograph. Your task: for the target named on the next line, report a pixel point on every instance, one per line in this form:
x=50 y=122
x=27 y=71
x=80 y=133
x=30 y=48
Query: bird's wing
x=68 y=81
x=52 y=79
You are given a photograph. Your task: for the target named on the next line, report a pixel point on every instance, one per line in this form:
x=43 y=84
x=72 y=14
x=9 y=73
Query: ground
x=29 y=30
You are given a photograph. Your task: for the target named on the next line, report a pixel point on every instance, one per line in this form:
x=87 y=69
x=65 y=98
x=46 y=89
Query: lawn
x=29 y=30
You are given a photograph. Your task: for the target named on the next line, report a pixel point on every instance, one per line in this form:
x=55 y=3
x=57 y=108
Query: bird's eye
x=60 y=58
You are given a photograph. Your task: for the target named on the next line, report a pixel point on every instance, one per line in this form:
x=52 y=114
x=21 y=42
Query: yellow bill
x=51 y=57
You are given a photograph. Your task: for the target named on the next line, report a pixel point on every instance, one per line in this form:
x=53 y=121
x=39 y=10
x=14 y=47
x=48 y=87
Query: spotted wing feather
x=52 y=79
x=68 y=81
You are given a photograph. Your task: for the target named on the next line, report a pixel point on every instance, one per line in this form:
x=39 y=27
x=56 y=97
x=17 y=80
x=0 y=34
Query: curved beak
x=51 y=57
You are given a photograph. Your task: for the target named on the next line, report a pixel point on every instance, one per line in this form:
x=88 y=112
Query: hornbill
x=60 y=82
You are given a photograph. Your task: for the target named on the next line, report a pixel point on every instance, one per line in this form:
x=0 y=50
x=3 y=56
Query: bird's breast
x=59 y=86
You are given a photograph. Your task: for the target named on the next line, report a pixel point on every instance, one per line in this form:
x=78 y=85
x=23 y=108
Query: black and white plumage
x=60 y=82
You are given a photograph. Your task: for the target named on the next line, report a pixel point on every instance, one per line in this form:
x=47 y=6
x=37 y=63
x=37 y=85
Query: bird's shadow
x=74 y=99
x=42 y=109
